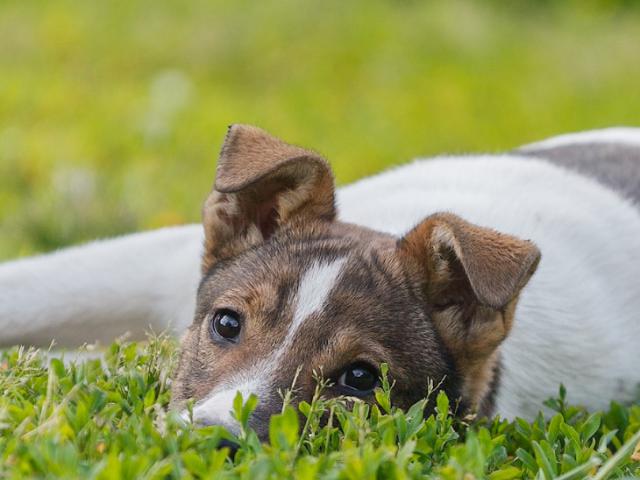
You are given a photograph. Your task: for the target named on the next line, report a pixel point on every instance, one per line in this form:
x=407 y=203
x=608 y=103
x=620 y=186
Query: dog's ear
x=261 y=184
x=464 y=261
x=472 y=277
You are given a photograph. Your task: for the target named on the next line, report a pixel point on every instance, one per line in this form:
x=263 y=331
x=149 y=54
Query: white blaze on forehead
x=313 y=290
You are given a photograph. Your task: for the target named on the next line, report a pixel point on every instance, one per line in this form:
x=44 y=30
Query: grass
x=108 y=419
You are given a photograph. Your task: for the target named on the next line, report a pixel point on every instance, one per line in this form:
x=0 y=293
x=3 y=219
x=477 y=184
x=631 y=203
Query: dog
x=499 y=277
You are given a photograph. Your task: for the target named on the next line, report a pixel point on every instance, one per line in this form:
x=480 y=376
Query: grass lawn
x=111 y=116
x=108 y=419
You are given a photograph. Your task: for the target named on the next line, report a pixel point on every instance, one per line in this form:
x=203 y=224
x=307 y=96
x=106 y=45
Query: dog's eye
x=358 y=379
x=226 y=324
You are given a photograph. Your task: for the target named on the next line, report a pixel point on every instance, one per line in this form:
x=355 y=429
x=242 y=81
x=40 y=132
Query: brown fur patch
x=473 y=278
x=375 y=313
x=261 y=184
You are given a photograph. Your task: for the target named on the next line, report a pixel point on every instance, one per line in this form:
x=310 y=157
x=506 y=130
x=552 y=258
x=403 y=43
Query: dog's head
x=286 y=286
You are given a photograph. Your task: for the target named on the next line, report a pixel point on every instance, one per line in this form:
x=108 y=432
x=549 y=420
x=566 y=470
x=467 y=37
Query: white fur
x=216 y=408
x=578 y=321
x=102 y=290
x=313 y=290
x=624 y=135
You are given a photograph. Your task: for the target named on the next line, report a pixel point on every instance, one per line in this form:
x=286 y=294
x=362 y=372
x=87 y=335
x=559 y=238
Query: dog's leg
x=102 y=290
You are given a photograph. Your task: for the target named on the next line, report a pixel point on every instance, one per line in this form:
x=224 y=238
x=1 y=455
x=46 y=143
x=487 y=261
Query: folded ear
x=464 y=261
x=471 y=277
x=261 y=184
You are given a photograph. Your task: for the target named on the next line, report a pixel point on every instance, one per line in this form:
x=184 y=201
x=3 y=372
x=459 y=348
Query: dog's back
x=578 y=321
x=610 y=156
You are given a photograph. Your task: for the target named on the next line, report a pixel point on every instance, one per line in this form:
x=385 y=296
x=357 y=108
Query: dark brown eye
x=358 y=379
x=226 y=324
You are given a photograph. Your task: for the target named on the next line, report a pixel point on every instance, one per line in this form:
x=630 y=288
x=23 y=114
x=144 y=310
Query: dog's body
x=577 y=321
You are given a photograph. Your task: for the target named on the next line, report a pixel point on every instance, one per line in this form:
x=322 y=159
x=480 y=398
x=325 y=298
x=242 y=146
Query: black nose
x=232 y=446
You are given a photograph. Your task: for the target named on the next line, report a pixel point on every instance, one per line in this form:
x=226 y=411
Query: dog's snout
x=232 y=446
x=223 y=443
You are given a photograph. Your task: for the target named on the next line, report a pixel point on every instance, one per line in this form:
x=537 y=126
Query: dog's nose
x=232 y=446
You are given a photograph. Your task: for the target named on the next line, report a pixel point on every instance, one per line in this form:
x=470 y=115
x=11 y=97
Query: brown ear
x=261 y=184
x=472 y=277
x=492 y=267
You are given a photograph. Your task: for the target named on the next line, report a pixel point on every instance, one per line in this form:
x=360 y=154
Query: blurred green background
x=112 y=112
